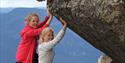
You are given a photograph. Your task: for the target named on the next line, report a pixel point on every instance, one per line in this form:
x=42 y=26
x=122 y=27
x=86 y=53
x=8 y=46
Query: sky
x=22 y=3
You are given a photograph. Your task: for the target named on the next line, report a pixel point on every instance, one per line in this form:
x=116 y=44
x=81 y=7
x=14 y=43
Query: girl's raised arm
x=58 y=37
x=43 y=22
x=50 y=18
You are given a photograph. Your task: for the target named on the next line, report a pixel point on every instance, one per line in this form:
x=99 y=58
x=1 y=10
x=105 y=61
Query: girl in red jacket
x=29 y=36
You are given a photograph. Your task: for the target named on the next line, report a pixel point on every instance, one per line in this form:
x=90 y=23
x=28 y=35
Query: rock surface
x=100 y=22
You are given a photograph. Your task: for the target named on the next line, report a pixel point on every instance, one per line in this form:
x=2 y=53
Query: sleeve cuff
x=46 y=25
x=47 y=17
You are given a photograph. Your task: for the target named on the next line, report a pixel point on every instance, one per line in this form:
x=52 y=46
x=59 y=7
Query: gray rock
x=100 y=22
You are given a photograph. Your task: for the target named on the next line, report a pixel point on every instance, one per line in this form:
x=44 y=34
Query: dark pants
x=35 y=59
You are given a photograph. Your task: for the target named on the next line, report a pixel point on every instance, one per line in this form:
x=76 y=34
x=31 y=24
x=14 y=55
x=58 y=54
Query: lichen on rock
x=100 y=22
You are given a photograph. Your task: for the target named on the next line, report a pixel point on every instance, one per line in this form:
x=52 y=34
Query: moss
x=69 y=17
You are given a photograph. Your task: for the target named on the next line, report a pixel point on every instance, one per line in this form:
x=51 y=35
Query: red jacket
x=28 y=43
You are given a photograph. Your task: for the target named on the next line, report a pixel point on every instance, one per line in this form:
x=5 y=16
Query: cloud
x=22 y=3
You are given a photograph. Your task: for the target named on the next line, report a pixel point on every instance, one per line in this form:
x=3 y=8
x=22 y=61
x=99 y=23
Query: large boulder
x=100 y=22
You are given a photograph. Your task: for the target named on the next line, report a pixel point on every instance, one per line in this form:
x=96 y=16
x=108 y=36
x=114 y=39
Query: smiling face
x=34 y=22
x=48 y=36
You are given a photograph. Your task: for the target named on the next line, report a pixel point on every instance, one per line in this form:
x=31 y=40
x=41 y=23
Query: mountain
x=71 y=49
x=5 y=10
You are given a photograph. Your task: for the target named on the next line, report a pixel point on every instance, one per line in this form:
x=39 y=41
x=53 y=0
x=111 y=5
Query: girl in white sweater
x=47 y=42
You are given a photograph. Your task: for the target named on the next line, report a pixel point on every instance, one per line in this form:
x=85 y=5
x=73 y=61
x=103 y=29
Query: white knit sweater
x=45 y=51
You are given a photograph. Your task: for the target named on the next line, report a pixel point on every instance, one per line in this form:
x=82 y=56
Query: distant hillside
x=5 y=10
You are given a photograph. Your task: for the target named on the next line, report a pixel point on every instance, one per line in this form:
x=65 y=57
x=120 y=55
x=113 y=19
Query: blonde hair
x=104 y=59
x=45 y=31
x=29 y=17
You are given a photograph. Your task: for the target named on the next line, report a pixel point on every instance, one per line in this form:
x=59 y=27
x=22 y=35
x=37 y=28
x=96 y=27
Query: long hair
x=29 y=17
x=44 y=32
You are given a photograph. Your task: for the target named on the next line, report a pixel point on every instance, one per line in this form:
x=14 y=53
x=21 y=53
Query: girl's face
x=34 y=22
x=48 y=37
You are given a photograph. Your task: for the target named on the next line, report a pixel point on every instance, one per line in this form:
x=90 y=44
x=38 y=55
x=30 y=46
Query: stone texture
x=100 y=22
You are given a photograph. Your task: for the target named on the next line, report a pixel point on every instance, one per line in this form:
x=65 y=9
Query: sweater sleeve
x=51 y=44
x=35 y=32
x=43 y=22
